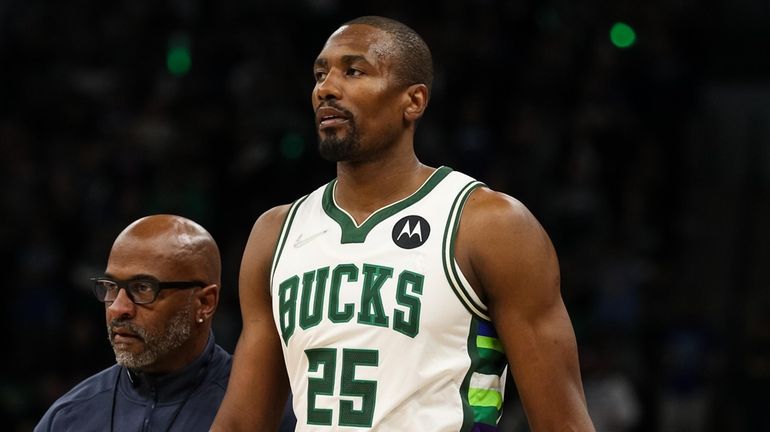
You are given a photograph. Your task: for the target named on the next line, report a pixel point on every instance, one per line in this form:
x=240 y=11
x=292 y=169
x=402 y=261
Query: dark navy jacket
x=145 y=402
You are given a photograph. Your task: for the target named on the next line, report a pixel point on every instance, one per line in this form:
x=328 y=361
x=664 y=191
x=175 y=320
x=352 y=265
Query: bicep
x=516 y=271
x=258 y=385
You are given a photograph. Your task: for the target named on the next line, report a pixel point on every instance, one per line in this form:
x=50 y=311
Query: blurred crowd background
x=648 y=164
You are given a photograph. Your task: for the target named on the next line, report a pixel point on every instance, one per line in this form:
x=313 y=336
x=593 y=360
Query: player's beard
x=334 y=148
x=157 y=344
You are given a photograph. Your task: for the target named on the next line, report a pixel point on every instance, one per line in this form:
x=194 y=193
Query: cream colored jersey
x=380 y=329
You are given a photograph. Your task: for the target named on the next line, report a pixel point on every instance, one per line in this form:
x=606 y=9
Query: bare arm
x=511 y=263
x=258 y=386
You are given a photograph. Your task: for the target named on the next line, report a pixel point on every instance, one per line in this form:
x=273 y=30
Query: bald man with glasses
x=160 y=291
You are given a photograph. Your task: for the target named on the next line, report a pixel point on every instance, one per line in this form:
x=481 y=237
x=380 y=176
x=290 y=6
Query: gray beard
x=157 y=344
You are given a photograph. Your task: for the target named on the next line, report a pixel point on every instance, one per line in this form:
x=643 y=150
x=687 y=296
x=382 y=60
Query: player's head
x=413 y=63
x=153 y=325
x=373 y=80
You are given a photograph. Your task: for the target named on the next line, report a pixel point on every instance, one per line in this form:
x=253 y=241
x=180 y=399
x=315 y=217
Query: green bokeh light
x=622 y=35
x=178 y=56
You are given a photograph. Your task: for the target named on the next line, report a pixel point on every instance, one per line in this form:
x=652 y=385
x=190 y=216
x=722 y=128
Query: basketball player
x=399 y=292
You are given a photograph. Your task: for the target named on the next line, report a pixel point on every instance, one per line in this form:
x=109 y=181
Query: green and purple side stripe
x=484 y=384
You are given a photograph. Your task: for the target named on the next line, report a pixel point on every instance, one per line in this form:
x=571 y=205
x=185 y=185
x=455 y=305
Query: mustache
x=335 y=105
x=127 y=326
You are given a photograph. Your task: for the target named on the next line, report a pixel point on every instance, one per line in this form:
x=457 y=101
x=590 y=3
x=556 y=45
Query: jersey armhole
x=454 y=275
x=285 y=228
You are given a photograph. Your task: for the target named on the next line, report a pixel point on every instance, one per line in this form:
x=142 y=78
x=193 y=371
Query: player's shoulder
x=484 y=198
x=273 y=219
x=488 y=206
x=267 y=227
x=493 y=221
x=275 y=215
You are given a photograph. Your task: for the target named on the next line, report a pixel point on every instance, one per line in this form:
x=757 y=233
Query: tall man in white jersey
x=398 y=292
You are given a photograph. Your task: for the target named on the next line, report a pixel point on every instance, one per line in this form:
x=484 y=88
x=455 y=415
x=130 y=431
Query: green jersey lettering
x=350 y=271
x=287 y=301
x=372 y=311
x=408 y=282
x=307 y=317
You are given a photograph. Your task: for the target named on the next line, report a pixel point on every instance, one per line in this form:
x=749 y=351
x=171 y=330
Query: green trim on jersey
x=284 y=233
x=450 y=266
x=494 y=361
x=352 y=233
x=468 y=412
x=489 y=343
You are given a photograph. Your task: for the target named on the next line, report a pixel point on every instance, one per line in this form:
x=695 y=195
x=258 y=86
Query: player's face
x=358 y=105
x=154 y=336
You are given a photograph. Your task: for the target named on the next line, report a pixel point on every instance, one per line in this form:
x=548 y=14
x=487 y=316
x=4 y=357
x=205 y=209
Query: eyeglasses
x=140 y=291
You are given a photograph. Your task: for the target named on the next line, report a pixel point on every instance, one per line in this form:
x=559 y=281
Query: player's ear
x=416 y=102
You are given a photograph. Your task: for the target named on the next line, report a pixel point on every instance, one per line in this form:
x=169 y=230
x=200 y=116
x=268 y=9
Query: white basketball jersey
x=380 y=329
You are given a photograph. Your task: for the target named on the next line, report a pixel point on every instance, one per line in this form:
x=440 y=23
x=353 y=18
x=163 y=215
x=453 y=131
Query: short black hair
x=414 y=63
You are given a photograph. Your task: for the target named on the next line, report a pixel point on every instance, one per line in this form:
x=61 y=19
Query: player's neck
x=364 y=188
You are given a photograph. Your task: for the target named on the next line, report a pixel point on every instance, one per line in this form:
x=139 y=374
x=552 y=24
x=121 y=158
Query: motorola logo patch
x=411 y=232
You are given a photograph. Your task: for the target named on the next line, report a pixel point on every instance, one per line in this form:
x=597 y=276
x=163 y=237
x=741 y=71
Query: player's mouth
x=329 y=117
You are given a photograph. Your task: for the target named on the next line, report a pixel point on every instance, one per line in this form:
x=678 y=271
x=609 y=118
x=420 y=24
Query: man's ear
x=208 y=298
x=417 y=95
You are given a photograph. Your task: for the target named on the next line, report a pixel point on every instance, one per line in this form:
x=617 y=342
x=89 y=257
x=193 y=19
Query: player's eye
x=354 y=72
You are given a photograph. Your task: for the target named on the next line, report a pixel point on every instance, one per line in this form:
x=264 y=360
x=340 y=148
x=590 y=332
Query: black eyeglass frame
x=156 y=286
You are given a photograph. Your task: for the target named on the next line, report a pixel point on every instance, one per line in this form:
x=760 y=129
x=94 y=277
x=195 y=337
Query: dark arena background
x=638 y=132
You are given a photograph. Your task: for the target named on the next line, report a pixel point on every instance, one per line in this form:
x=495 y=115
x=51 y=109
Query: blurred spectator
x=610 y=393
